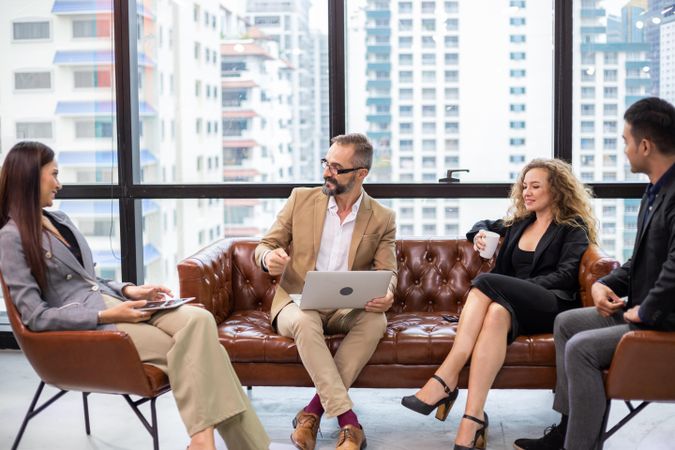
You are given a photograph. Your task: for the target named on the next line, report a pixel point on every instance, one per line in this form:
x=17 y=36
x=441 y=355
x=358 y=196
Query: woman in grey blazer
x=48 y=268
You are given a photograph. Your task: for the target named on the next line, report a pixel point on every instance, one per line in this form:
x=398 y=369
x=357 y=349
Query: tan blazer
x=300 y=223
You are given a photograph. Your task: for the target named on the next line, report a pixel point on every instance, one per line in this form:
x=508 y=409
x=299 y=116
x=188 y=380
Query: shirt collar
x=332 y=204
x=653 y=189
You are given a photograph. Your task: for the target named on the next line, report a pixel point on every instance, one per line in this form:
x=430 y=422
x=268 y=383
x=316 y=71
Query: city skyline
x=236 y=91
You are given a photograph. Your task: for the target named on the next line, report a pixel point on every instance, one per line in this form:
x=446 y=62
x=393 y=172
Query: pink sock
x=348 y=418
x=314 y=406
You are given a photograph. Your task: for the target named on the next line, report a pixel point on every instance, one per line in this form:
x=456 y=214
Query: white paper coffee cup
x=491 y=241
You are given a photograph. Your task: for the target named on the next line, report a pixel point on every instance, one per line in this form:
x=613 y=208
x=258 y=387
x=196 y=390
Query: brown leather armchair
x=643 y=363
x=642 y=369
x=87 y=361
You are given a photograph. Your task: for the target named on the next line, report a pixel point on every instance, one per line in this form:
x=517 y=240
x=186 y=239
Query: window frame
x=130 y=192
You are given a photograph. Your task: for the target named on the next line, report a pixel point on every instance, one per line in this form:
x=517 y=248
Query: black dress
x=533 y=286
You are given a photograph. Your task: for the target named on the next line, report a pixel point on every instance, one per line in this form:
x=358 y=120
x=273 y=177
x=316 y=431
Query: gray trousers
x=584 y=346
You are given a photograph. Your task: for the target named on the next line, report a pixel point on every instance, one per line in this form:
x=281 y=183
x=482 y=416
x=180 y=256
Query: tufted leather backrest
x=433 y=275
x=254 y=288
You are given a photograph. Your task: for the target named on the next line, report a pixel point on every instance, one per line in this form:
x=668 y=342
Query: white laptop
x=344 y=289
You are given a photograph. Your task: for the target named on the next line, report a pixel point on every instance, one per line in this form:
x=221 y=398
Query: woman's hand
x=125 y=312
x=479 y=241
x=146 y=292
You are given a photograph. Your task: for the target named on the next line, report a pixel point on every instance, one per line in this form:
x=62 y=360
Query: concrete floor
x=388 y=426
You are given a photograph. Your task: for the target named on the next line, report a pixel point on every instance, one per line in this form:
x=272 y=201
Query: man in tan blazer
x=333 y=227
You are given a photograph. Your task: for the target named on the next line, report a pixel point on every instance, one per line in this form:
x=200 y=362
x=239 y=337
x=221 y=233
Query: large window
x=225 y=106
x=30 y=30
x=251 y=105
x=32 y=80
x=449 y=99
x=623 y=51
x=483 y=79
x=46 y=66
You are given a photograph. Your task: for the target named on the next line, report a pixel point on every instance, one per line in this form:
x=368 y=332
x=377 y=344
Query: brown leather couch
x=433 y=279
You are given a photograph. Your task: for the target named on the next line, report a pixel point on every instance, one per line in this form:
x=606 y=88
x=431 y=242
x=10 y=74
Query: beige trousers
x=332 y=377
x=183 y=343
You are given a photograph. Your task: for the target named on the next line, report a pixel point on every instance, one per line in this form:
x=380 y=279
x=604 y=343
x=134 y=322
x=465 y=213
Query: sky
x=318 y=15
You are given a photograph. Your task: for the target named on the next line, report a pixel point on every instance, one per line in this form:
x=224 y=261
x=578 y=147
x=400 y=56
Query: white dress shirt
x=336 y=238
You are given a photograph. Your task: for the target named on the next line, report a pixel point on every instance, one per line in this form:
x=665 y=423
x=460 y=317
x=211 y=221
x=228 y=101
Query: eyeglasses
x=334 y=170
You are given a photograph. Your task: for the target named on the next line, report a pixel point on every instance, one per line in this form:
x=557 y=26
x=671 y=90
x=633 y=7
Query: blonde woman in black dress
x=535 y=277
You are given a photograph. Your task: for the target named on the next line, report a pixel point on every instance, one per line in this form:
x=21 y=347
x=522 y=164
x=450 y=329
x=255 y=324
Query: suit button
x=48 y=255
x=94 y=288
x=69 y=277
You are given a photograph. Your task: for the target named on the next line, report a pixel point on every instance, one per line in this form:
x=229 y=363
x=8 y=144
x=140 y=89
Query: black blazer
x=648 y=277
x=556 y=259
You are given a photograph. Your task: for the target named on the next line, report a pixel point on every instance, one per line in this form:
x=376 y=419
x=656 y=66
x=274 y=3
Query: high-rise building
x=287 y=22
x=257 y=126
x=667 y=56
x=58 y=88
x=437 y=96
x=613 y=72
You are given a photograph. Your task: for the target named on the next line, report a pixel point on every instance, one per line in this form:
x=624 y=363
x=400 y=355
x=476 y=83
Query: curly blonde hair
x=571 y=200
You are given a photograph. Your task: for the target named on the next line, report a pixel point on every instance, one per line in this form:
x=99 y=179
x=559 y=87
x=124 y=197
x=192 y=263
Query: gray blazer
x=72 y=298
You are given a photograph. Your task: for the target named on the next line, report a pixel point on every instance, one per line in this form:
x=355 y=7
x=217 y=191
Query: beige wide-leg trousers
x=332 y=377
x=183 y=343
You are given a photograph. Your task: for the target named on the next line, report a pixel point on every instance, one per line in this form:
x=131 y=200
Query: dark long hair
x=20 y=199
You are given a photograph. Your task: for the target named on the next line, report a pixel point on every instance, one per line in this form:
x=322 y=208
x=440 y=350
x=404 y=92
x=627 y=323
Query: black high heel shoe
x=480 y=438
x=443 y=405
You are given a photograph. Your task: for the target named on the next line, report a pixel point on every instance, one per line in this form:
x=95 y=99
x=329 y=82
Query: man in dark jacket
x=638 y=295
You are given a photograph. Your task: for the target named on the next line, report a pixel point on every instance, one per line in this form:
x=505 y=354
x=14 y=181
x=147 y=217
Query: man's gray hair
x=363 y=149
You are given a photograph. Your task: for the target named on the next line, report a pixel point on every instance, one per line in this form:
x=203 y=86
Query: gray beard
x=338 y=189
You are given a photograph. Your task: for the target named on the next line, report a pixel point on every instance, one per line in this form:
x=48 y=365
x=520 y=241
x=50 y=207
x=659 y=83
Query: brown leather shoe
x=351 y=438
x=306 y=427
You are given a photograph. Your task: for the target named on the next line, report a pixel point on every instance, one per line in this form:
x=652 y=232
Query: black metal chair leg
x=155 y=425
x=633 y=411
x=603 y=435
x=32 y=412
x=28 y=416
x=86 y=412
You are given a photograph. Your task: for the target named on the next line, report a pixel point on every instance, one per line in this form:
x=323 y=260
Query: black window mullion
x=126 y=83
x=336 y=66
x=563 y=80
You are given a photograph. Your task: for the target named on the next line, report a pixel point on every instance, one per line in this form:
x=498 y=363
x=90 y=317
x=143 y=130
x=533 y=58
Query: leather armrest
x=207 y=276
x=99 y=361
x=594 y=264
x=643 y=367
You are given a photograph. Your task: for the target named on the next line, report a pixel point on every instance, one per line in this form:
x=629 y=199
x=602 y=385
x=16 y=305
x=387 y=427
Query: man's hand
x=632 y=315
x=606 y=301
x=145 y=292
x=380 y=304
x=125 y=312
x=276 y=261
